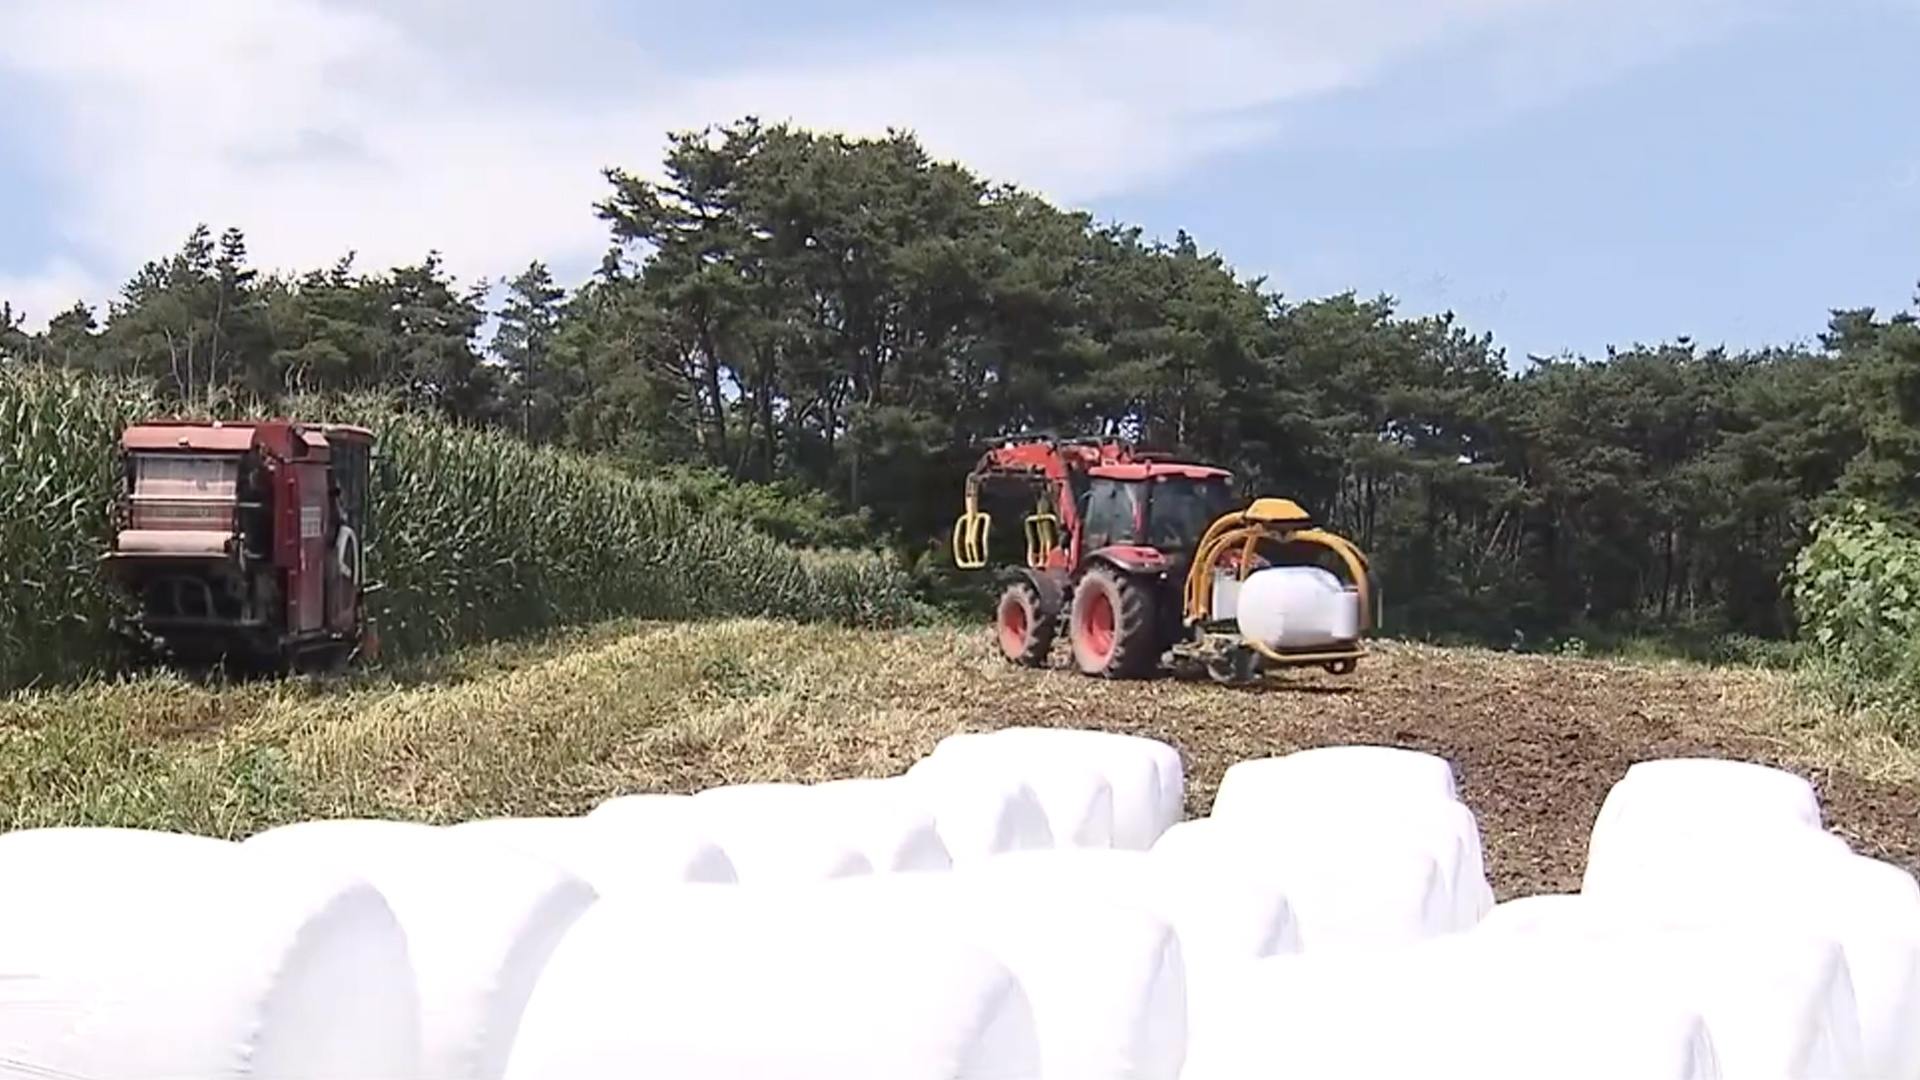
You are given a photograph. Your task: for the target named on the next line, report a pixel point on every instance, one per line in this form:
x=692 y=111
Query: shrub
x=1856 y=596
x=476 y=536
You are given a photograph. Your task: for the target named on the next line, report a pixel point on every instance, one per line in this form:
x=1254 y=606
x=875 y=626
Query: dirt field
x=556 y=728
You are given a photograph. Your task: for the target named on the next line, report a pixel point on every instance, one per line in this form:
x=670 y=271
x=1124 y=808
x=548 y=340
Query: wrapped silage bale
x=1450 y=1009
x=770 y=842
x=481 y=921
x=1349 y=773
x=1147 y=776
x=1107 y=979
x=1745 y=788
x=1365 y=791
x=1343 y=897
x=1297 y=608
x=894 y=826
x=1223 y=917
x=773 y=984
x=614 y=860
x=1870 y=908
x=765 y=848
x=982 y=813
x=1705 y=802
x=129 y=955
x=1649 y=851
x=1076 y=797
x=878 y=818
x=1779 y=999
x=1444 y=829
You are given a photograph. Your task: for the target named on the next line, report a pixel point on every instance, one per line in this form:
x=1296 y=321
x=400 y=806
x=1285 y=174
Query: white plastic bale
x=1359 y=773
x=1077 y=798
x=883 y=818
x=1106 y=978
x=638 y=815
x=1639 y=812
x=1758 y=790
x=1529 y=913
x=1450 y=1009
x=1283 y=815
x=614 y=860
x=982 y=814
x=1297 y=607
x=1223 y=916
x=764 y=848
x=1138 y=819
x=772 y=838
x=129 y=955
x=772 y=984
x=1871 y=908
x=1342 y=898
x=1651 y=848
x=1779 y=998
x=481 y=921
x=893 y=824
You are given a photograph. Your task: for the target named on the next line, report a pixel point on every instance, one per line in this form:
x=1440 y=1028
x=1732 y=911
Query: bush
x=1856 y=596
x=476 y=536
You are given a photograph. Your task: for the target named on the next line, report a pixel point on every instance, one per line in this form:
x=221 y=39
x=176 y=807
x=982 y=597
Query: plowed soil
x=1535 y=741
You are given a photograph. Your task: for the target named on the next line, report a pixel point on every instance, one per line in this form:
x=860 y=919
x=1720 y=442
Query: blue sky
x=1563 y=173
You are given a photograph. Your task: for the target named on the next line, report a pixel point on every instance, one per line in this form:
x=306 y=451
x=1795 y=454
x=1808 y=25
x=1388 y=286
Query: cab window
x=1113 y=513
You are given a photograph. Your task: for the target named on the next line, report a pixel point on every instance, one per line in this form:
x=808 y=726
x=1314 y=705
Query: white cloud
x=479 y=127
x=41 y=296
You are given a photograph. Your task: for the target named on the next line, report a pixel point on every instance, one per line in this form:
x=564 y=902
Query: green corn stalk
x=477 y=536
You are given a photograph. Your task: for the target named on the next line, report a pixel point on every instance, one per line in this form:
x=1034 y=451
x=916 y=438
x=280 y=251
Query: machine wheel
x=1024 y=625
x=1111 y=626
x=1342 y=667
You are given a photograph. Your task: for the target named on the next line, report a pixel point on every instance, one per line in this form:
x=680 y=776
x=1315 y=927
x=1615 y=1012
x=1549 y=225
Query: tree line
x=844 y=320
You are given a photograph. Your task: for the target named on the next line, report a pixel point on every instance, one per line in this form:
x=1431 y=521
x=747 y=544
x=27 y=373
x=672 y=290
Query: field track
x=557 y=727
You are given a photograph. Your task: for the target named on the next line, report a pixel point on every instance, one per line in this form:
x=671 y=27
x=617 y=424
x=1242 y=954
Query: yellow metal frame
x=1043 y=536
x=1280 y=520
x=970 y=532
x=972 y=528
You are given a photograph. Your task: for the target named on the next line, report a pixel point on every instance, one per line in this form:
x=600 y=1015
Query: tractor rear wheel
x=1111 y=626
x=1025 y=625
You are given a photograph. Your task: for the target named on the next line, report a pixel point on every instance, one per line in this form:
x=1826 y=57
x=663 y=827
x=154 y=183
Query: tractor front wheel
x=1025 y=625
x=1111 y=626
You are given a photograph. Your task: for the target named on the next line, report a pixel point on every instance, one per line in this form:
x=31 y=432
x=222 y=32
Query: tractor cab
x=1152 y=505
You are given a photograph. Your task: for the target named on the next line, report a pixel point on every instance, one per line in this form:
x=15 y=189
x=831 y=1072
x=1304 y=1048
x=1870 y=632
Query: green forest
x=828 y=327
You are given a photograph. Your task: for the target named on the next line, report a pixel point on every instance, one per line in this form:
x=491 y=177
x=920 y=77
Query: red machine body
x=1107 y=546
x=243 y=543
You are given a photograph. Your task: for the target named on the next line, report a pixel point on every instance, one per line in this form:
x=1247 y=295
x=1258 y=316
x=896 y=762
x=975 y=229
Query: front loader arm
x=1044 y=471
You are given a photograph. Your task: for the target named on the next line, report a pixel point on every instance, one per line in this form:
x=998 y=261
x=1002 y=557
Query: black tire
x=1111 y=626
x=1024 y=625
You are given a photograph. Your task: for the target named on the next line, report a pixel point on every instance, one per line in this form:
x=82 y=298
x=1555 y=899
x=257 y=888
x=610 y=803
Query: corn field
x=476 y=537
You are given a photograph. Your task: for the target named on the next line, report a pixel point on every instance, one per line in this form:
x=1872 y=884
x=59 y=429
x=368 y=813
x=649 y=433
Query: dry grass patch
x=541 y=729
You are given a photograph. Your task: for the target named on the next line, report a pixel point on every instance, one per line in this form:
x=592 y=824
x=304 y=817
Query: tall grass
x=476 y=536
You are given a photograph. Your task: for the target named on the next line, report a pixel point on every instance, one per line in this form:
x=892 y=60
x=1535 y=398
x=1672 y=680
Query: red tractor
x=243 y=543
x=1146 y=561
